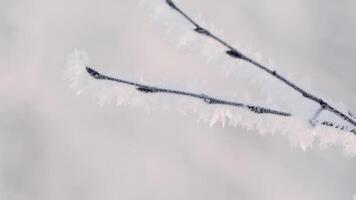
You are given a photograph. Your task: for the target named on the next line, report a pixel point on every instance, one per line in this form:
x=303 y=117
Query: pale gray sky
x=57 y=145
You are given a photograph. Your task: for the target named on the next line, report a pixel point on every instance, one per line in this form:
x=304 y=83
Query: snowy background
x=57 y=145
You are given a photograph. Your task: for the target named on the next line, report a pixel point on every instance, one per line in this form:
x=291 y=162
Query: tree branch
x=238 y=55
x=207 y=99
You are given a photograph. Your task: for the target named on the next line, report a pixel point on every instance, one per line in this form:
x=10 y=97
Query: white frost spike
x=221 y=115
x=75 y=72
x=82 y=83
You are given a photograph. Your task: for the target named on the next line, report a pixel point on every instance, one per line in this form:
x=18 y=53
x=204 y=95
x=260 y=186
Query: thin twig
x=207 y=99
x=238 y=55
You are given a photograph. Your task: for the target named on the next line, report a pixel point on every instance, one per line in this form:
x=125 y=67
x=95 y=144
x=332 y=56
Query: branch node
x=255 y=109
x=323 y=104
x=235 y=54
x=202 y=31
x=207 y=99
x=147 y=89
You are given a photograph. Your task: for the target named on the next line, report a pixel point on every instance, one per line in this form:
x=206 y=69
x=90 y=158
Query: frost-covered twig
x=239 y=55
x=210 y=100
x=207 y=99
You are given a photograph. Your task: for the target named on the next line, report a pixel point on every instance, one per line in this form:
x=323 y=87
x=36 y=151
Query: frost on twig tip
x=171 y=4
x=94 y=73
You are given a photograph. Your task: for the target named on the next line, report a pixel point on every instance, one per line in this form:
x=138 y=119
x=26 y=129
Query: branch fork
x=234 y=53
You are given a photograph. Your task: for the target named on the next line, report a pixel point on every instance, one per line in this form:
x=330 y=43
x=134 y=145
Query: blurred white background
x=57 y=145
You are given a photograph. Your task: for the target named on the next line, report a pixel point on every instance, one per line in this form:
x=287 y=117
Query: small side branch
x=234 y=53
x=207 y=99
x=314 y=120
